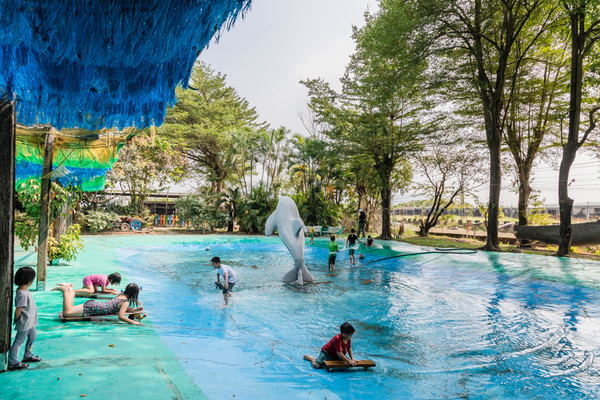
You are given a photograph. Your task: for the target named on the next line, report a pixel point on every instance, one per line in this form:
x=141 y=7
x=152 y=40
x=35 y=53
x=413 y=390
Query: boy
x=311 y=234
x=351 y=241
x=333 y=249
x=369 y=242
x=228 y=275
x=336 y=348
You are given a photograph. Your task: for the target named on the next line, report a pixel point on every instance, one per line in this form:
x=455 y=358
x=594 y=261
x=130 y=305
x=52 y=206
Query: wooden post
x=42 y=260
x=7 y=223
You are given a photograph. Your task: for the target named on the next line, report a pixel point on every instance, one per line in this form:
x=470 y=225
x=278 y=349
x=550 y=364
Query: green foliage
x=537 y=218
x=28 y=193
x=98 y=221
x=204 y=122
x=201 y=209
x=146 y=164
x=314 y=210
x=70 y=243
x=255 y=209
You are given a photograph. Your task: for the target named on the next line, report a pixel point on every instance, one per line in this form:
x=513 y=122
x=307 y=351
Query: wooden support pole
x=42 y=260
x=7 y=223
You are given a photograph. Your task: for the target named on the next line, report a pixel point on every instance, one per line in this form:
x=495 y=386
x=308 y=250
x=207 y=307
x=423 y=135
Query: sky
x=280 y=42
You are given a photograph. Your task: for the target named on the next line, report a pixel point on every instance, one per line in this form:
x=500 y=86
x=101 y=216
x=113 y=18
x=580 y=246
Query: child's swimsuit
x=94 y=307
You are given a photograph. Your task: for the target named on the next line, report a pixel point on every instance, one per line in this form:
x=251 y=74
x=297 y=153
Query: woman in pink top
x=92 y=282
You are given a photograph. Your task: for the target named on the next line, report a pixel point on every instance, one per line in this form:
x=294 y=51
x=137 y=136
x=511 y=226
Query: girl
x=26 y=319
x=120 y=305
x=91 y=282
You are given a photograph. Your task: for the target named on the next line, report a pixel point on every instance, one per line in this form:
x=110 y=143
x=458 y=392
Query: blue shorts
x=332 y=259
x=230 y=284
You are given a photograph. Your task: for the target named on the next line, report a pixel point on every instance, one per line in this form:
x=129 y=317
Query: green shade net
x=79 y=159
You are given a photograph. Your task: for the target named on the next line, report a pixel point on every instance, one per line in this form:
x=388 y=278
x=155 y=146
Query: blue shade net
x=96 y=64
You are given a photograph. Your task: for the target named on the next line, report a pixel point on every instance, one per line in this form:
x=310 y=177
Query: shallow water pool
x=439 y=326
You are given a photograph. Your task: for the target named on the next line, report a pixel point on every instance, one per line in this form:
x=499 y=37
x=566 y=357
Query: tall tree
x=539 y=91
x=376 y=114
x=204 y=122
x=584 y=26
x=479 y=36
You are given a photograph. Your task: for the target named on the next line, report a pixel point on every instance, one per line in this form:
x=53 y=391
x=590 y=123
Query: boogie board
x=96 y=295
x=100 y=317
x=339 y=364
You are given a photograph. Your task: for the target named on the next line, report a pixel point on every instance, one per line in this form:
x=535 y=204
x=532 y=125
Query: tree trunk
x=494 y=198
x=386 y=201
x=230 y=222
x=42 y=256
x=7 y=223
x=570 y=148
x=524 y=193
x=565 y=203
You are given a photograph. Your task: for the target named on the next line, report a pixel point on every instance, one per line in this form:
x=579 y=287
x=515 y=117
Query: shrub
x=70 y=243
x=98 y=221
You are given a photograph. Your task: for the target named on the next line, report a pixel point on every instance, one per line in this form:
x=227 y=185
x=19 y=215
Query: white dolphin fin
x=297 y=227
x=270 y=225
x=306 y=276
x=291 y=276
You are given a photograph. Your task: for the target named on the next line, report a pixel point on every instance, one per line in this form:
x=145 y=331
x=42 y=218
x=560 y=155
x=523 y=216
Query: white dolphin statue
x=291 y=231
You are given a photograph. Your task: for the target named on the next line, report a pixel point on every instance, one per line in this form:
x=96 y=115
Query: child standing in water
x=311 y=234
x=228 y=274
x=333 y=250
x=351 y=241
x=25 y=320
x=336 y=348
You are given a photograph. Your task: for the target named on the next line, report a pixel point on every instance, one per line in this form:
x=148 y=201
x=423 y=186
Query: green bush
x=70 y=243
x=98 y=221
x=200 y=208
x=255 y=209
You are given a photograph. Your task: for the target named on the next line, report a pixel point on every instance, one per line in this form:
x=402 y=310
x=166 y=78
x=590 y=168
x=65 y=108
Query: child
x=126 y=301
x=229 y=278
x=351 y=241
x=311 y=234
x=333 y=249
x=26 y=319
x=91 y=282
x=369 y=241
x=336 y=348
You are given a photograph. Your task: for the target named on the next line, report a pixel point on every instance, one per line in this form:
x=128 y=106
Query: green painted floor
x=95 y=360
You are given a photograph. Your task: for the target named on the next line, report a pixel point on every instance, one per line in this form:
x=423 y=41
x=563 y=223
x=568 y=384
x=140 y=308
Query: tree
x=145 y=164
x=449 y=171
x=317 y=174
x=479 y=37
x=205 y=121
x=376 y=114
x=584 y=26
x=538 y=90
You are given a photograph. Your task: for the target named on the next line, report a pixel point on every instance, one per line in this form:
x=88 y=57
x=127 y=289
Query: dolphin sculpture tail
x=301 y=275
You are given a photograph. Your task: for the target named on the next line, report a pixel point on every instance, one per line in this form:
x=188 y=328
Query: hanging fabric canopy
x=81 y=158
x=96 y=64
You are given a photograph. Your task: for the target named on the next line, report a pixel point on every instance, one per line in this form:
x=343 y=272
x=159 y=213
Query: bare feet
x=64 y=287
x=312 y=361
